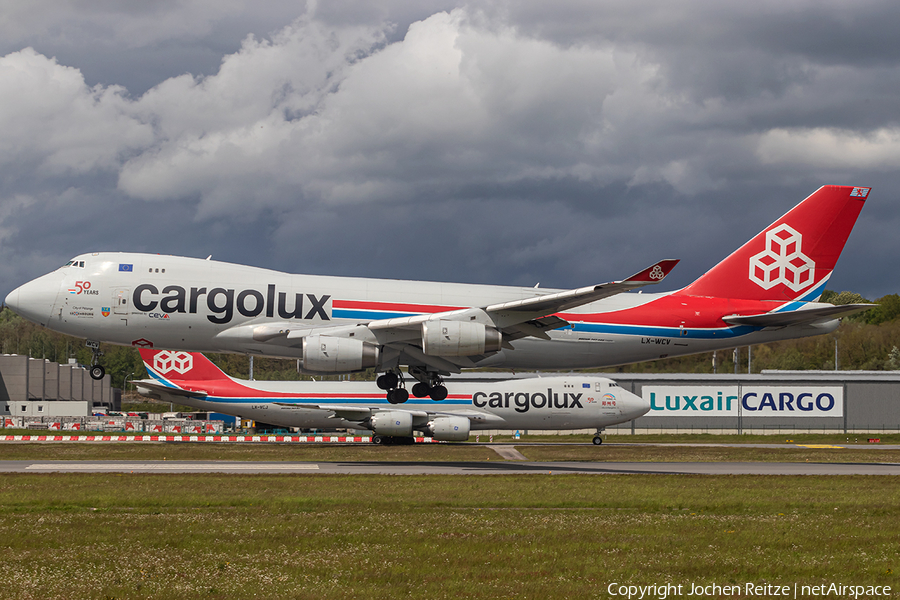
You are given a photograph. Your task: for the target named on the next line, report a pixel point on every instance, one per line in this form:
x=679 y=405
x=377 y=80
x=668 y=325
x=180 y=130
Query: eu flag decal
x=126 y=268
x=586 y=385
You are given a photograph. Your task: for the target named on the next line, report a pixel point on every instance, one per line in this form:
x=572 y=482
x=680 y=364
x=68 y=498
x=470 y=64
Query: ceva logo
x=782 y=261
x=166 y=361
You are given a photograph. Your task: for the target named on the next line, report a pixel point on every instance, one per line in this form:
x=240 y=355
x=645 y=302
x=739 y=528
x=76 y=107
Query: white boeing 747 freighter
x=766 y=290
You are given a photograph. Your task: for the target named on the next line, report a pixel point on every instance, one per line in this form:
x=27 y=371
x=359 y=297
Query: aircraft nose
x=35 y=299
x=12 y=299
x=635 y=406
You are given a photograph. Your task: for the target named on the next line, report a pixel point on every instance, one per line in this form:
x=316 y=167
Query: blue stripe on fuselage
x=367 y=315
x=669 y=332
x=332 y=401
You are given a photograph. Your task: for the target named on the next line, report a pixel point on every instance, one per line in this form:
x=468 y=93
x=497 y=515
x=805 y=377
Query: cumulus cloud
x=52 y=119
x=333 y=116
x=832 y=148
x=230 y=136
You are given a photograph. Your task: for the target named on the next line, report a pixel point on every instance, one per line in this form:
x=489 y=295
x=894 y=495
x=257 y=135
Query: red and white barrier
x=195 y=438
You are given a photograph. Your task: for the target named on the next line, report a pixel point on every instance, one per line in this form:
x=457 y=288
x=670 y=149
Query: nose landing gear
x=96 y=371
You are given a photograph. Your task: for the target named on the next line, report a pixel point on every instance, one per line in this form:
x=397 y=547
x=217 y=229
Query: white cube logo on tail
x=782 y=261
x=180 y=362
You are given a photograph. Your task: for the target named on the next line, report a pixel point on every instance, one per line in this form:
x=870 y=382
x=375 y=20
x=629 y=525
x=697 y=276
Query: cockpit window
x=75 y=263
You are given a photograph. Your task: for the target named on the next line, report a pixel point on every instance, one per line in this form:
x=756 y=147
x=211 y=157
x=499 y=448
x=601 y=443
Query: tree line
x=866 y=341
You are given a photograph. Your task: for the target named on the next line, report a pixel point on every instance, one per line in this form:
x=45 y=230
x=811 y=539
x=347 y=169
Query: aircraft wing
x=558 y=302
x=535 y=312
x=402 y=338
x=341 y=411
x=803 y=316
x=361 y=413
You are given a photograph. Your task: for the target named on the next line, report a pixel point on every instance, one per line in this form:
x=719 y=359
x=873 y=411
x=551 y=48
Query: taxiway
x=452 y=468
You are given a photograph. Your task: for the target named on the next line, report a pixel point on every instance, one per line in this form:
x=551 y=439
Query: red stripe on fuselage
x=233 y=389
x=393 y=306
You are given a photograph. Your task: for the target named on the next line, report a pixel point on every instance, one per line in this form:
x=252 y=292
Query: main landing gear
x=96 y=370
x=429 y=385
x=392 y=383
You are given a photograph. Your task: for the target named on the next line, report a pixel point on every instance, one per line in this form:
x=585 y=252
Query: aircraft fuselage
x=192 y=304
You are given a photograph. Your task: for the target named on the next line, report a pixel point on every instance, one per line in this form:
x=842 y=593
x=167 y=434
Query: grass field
x=126 y=536
x=225 y=536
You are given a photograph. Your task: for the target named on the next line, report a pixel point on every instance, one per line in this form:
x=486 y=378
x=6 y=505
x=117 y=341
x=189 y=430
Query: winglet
x=654 y=273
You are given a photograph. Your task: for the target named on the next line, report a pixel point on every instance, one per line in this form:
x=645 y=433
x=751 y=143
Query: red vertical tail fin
x=793 y=257
x=177 y=365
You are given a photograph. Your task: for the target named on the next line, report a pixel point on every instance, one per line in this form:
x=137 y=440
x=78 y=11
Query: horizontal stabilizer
x=174 y=391
x=822 y=312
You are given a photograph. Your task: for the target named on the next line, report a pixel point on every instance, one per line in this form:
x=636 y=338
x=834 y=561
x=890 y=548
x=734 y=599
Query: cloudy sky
x=566 y=143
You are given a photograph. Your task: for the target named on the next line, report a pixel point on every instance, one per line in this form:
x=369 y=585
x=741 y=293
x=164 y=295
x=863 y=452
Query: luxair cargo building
x=771 y=402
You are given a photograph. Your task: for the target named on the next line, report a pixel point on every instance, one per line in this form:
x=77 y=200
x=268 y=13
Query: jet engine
x=449 y=429
x=392 y=423
x=458 y=338
x=328 y=354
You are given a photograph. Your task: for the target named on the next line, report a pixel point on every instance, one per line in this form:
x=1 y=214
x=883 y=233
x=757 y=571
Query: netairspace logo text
x=766 y=590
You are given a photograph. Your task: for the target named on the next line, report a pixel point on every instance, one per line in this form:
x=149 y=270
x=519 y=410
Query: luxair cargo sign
x=745 y=401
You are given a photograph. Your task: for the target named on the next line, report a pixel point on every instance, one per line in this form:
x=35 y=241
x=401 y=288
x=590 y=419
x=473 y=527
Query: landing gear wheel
x=420 y=390
x=388 y=381
x=598 y=440
x=430 y=384
x=398 y=396
x=377 y=440
x=438 y=393
x=96 y=371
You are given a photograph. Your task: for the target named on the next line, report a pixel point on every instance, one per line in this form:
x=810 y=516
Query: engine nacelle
x=458 y=338
x=392 y=423
x=449 y=429
x=328 y=354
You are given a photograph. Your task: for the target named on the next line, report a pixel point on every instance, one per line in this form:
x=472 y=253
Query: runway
x=451 y=468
